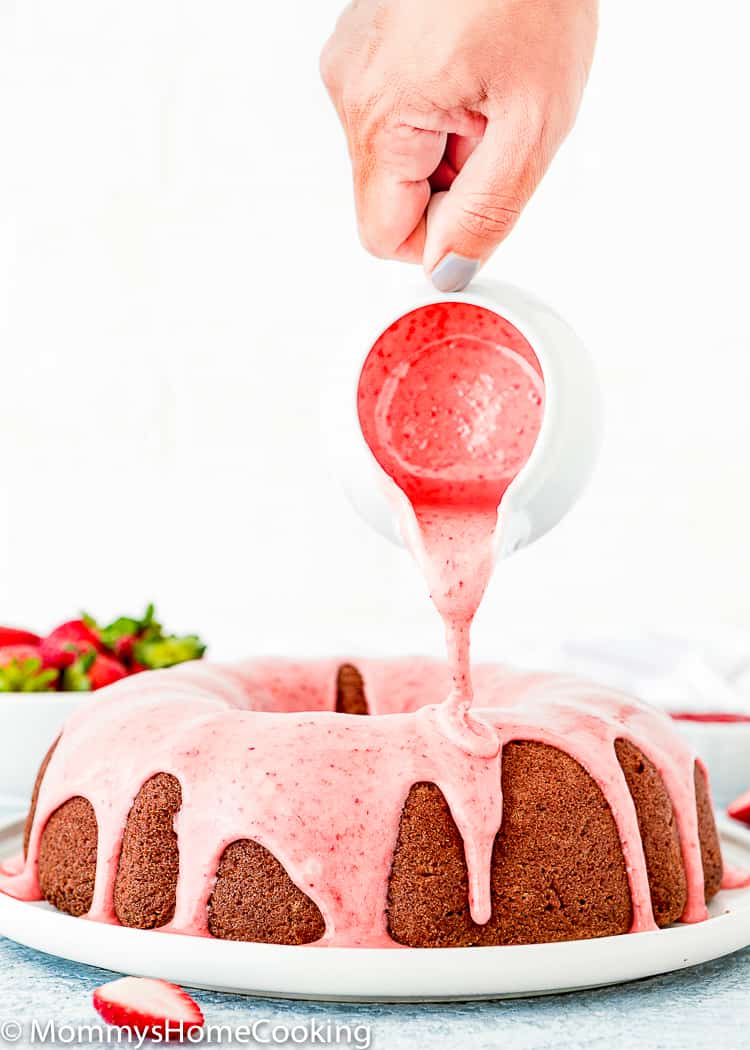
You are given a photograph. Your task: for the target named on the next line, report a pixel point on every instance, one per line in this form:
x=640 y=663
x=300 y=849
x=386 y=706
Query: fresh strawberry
x=125 y=629
x=142 y=644
x=148 y=1007
x=21 y=671
x=92 y=670
x=123 y=647
x=13 y=636
x=67 y=642
x=105 y=670
x=166 y=652
x=18 y=653
x=740 y=808
x=75 y=678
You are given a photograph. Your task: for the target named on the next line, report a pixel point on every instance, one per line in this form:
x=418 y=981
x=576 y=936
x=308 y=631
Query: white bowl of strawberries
x=44 y=679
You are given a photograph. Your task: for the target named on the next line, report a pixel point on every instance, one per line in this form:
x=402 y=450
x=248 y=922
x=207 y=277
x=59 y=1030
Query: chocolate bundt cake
x=260 y=803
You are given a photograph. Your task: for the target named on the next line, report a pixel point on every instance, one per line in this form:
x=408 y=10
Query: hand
x=453 y=110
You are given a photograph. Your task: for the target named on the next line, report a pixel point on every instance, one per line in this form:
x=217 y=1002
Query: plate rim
x=372 y=974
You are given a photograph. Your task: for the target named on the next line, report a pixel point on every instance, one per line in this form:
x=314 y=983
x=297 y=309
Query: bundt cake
x=260 y=803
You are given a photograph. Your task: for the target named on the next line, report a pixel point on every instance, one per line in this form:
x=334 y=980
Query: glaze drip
x=450 y=402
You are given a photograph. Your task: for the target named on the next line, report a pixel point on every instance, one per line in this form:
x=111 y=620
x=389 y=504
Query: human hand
x=453 y=112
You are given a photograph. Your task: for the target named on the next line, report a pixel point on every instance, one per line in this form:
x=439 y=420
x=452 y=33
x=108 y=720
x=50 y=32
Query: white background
x=178 y=258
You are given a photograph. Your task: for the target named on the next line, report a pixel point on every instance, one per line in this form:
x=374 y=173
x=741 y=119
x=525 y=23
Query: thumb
x=392 y=190
x=466 y=223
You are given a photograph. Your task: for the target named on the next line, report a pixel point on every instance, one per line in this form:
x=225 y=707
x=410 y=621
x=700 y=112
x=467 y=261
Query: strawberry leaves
x=27 y=676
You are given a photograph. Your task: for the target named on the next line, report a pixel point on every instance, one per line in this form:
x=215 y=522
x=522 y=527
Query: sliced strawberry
x=740 y=808
x=13 y=636
x=150 y=1007
x=67 y=642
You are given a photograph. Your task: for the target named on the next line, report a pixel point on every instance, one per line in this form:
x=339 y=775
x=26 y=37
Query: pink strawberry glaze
x=715 y=719
x=450 y=402
x=260 y=753
x=734 y=878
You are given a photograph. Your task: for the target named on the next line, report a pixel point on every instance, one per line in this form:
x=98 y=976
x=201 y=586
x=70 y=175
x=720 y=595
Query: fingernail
x=454 y=272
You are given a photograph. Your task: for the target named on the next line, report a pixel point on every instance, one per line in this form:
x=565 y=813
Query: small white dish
x=389 y=974
x=29 y=723
x=725 y=748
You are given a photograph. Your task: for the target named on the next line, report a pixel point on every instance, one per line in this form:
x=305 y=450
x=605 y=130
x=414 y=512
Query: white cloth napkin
x=708 y=672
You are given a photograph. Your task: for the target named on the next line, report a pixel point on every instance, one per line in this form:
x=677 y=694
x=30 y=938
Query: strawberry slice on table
x=62 y=647
x=151 y=1007
x=740 y=808
x=14 y=636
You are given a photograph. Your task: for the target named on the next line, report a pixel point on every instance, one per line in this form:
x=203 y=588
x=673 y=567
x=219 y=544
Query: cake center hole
x=350 y=692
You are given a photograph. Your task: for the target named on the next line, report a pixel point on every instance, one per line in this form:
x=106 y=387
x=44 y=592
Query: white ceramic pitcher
x=561 y=461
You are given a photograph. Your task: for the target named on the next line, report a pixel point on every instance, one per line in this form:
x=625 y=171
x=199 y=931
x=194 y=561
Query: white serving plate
x=383 y=974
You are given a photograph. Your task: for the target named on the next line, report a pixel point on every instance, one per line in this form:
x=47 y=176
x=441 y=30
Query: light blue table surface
x=706 y=1006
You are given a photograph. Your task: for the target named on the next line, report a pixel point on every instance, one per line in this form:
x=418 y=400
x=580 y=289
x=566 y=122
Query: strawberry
x=75 y=678
x=142 y=644
x=148 y=1007
x=125 y=629
x=21 y=671
x=123 y=647
x=92 y=670
x=105 y=670
x=740 y=808
x=168 y=651
x=13 y=636
x=18 y=653
x=67 y=642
